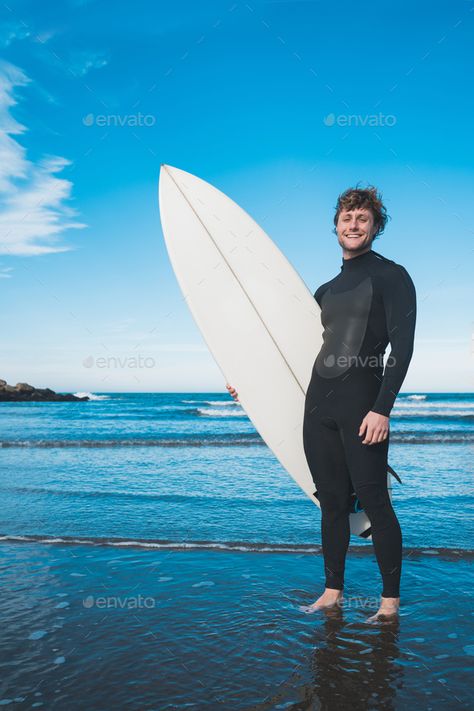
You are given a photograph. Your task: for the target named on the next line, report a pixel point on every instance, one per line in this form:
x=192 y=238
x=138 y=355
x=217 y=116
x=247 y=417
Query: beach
x=155 y=555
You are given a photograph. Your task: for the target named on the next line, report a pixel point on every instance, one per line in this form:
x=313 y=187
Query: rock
x=24 y=387
x=24 y=392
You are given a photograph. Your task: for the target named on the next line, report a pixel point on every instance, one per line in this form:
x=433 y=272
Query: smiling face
x=355 y=230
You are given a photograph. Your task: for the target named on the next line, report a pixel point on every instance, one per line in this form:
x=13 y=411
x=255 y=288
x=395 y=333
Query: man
x=371 y=302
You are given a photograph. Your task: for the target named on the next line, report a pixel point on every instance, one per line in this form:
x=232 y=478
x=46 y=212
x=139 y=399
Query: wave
x=158 y=413
x=212 y=412
x=434 y=415
x=238 y=546
x=93 y=396
x=239 y=440
x=222 y=403
x=449 y=437
x=287 y=501
x=416 y=397
x=426 y=408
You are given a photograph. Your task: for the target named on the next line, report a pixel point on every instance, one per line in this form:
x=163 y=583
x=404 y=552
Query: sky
x=282 y=105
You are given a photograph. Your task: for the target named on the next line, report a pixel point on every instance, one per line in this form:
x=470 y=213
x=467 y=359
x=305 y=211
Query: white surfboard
x=257 y=316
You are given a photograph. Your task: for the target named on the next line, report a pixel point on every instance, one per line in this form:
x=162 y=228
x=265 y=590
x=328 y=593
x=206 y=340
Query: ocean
x=175 y=498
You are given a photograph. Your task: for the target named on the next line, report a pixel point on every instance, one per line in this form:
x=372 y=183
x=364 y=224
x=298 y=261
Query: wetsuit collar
x=356 y=261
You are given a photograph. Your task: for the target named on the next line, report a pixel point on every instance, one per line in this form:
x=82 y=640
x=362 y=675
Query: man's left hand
x=375 y=427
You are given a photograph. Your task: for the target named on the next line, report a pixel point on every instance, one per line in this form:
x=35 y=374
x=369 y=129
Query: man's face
x=355 y=229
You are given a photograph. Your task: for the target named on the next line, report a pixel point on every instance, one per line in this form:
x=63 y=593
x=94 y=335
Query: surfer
x=346 y=426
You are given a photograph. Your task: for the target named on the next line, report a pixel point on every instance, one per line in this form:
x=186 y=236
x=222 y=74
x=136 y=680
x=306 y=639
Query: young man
x=371 y=302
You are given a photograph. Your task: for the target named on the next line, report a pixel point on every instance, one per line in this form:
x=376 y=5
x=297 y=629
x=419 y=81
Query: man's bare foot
x=387 y=611
x=330 y=598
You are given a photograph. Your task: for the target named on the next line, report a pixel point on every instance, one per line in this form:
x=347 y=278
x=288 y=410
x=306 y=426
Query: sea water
x=189 y=468
x=155 y=555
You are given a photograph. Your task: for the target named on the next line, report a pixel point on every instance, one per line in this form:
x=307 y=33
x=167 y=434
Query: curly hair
x=354 y=198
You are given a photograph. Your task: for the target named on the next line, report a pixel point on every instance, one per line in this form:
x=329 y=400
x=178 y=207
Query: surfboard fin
x=393 y=473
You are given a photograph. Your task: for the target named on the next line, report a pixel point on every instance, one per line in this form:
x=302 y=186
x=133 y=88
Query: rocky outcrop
x=22 y=392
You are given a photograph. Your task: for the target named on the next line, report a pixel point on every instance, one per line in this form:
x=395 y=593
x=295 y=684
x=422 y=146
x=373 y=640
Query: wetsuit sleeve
x=399 y=299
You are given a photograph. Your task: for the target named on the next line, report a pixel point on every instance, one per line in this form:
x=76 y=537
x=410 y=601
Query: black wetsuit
x=370 y=303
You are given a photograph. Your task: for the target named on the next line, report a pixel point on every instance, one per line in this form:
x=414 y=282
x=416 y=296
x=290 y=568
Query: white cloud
x=33 y=209
x=45 y=35
x=12 y=31
x=5 y=272
x=81 y=62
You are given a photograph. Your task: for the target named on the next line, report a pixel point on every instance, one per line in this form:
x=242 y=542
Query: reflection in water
x=349 y=665
x=353 y=663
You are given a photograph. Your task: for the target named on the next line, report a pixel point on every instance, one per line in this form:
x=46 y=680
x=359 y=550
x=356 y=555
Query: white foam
x=222 y=403
x=92 y=396
x=444 y=412
x=212 y=412
x=219 y=402
x=436 y=404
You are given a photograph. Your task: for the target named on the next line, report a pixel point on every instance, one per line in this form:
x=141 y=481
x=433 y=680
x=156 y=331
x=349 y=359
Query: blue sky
x=282 y=105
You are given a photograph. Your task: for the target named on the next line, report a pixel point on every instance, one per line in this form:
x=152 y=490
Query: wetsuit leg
x=325 y=455
x=367 y=465
x=340 y=463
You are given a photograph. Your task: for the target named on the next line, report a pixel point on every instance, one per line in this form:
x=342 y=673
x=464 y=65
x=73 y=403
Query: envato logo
x=360 y=120
x=138 y=361
x=343 y=361
x=116 y=602
x=132 y=120
x=360 y=601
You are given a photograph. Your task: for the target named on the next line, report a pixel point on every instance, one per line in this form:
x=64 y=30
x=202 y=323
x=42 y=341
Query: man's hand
x=375 y=427
x=233 y=392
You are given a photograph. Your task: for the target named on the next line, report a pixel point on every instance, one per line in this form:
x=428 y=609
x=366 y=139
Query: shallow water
x=204 y=629
x=156 y=555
